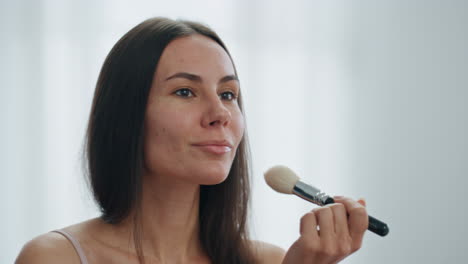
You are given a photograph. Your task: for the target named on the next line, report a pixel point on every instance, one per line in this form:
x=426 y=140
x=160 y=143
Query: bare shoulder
x=48 y=248
x=266 y=252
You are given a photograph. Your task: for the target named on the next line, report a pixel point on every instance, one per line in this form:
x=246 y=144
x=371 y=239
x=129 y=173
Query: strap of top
x=75 y=244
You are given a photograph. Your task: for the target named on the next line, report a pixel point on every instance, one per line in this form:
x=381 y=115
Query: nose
x=216 y=114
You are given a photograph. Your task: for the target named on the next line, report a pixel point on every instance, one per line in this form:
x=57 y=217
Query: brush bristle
x=281 y=179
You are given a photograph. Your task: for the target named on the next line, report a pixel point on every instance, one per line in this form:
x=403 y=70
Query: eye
x=230 y=96
x=184 y=92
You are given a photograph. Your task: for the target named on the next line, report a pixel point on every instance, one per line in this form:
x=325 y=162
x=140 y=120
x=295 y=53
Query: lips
x=215 y=147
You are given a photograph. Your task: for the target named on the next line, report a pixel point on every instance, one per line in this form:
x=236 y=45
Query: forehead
x=195 y=54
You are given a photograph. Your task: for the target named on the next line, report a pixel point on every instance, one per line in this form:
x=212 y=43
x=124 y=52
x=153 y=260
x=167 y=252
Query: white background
x=361 y=98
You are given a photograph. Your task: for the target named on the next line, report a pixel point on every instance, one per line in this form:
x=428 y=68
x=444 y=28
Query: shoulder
x=266 y=252
x=48 y=248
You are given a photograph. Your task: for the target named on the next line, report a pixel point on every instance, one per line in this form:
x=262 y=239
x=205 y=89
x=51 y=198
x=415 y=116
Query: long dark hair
x=114 y=144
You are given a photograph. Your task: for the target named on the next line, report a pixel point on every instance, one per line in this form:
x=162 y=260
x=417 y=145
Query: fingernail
x=363 y=201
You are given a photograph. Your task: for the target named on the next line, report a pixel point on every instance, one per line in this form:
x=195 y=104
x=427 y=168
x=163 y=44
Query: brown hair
x=114 y=142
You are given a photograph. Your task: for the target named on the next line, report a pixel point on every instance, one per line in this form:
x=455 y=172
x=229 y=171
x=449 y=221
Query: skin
x=184 y=111
x=342 y=226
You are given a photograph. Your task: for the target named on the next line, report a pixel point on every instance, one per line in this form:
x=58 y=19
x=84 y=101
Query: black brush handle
x=375 y=225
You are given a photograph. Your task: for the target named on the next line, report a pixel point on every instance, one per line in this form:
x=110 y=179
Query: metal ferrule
x=311 y=194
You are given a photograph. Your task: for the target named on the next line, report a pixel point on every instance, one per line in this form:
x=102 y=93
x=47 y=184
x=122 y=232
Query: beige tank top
x=75 y=244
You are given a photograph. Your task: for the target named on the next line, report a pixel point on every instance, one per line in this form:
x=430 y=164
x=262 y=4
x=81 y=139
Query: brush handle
x=314 y=195
x=375 y=225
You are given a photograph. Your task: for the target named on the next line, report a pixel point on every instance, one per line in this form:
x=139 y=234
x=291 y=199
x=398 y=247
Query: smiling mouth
x=215 y=149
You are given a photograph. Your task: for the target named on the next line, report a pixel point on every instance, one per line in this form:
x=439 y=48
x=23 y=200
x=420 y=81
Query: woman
x=168 y=164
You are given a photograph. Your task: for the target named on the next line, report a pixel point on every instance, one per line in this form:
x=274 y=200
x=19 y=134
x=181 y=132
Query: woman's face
x=193 y=122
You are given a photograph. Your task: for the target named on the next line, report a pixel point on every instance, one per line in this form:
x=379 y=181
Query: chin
x=209 y=173
x=213 y=179
x=213 y=176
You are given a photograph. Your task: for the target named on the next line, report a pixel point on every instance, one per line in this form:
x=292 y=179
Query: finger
x=340 y=218
x=357 y=215
x=308 y=226
x=362 y=202
x=325 y=222
x=358 y=220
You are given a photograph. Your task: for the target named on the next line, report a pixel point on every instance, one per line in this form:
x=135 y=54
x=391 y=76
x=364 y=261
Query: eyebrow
x=197 y=78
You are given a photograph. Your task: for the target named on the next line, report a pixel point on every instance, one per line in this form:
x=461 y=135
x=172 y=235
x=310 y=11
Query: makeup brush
x=282 y=179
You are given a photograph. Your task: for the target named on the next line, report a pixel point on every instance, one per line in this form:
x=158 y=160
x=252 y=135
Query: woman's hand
x=330 y=233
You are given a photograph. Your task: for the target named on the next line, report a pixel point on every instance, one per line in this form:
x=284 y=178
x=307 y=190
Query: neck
x=169 y=220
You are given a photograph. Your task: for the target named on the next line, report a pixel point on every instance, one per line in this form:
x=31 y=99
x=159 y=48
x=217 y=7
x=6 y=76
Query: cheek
x=239 y=125
x=166 y=135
